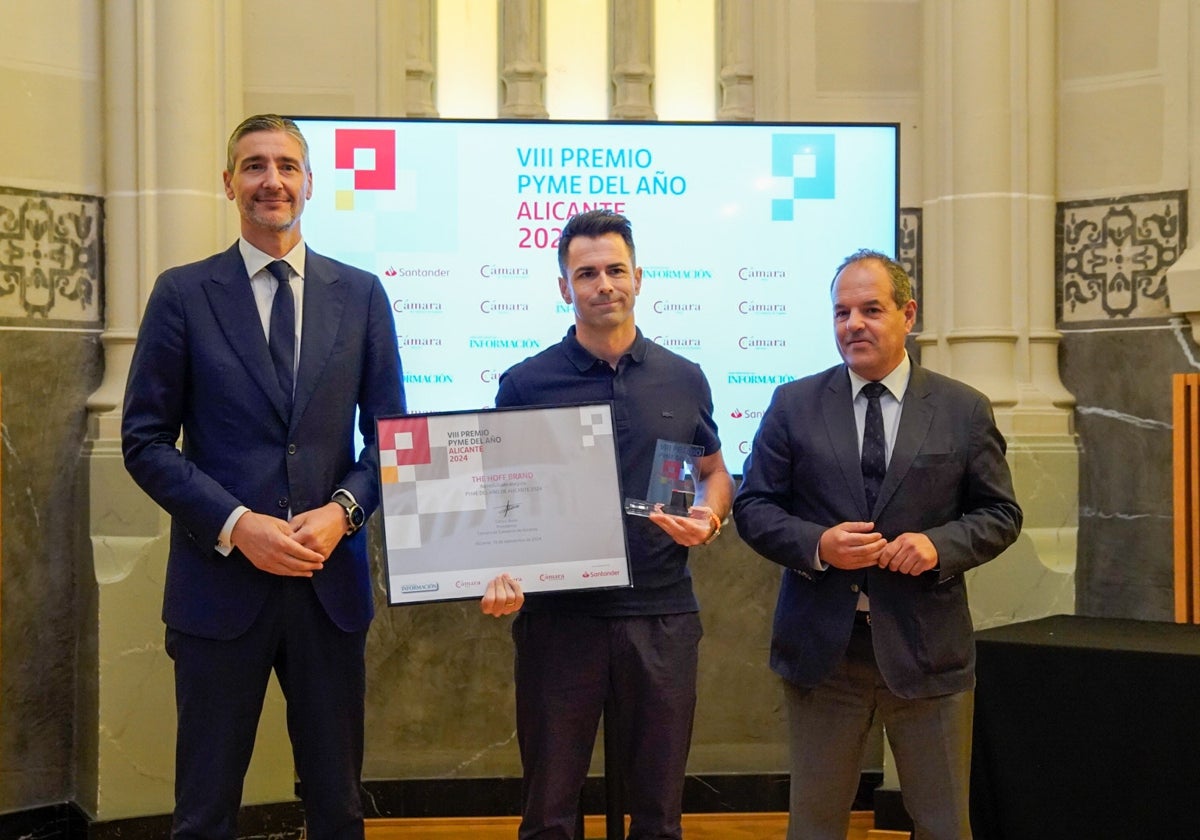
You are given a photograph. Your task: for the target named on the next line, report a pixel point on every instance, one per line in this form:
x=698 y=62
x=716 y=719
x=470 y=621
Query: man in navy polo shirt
x=636 y=647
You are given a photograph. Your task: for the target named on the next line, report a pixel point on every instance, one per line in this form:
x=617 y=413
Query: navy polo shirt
x=655 y=394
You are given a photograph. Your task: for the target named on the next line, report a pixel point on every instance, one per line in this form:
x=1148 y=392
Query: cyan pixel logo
x=808 y=162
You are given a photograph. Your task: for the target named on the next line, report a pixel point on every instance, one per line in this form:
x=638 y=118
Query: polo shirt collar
x=583 y=360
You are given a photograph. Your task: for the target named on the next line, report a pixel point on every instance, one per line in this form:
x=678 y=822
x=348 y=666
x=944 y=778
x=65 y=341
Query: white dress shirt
x=890 y=403
x=264 y=286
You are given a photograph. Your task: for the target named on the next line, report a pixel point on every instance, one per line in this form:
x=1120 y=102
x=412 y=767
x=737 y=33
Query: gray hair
x=901 y=282
x=263 y=122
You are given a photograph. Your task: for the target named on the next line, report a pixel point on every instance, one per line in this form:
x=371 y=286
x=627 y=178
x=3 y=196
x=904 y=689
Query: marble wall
x=1120 y=347
x=50 y=361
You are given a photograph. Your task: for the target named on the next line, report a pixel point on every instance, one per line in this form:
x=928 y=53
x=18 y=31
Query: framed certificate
x=534 y=492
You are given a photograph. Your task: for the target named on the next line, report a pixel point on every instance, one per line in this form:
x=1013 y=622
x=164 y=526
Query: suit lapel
x=236 y=312
x=838 y=412
x=916 y=415
x=324 y=302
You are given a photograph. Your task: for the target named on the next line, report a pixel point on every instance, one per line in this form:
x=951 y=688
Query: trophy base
x=640 y=507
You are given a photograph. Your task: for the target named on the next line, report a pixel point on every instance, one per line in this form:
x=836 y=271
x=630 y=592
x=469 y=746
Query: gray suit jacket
x=947 y=478
x=202 y=365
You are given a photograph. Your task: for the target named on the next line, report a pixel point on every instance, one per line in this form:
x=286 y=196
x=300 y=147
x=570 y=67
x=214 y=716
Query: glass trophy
x=672 y=480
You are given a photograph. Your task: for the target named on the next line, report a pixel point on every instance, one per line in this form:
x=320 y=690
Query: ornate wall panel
x=50 y=258
x=910 y=252
x=1112 y=256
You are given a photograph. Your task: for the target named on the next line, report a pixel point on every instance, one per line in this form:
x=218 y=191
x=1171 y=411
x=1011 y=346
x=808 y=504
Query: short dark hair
x=594 y=224
x=263 y=122
x=901 y=283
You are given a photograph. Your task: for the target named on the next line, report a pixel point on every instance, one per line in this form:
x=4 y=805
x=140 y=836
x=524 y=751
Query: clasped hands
x=857 y=545
x=293 y=549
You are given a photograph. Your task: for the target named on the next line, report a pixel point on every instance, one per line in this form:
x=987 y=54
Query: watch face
x=357 y=517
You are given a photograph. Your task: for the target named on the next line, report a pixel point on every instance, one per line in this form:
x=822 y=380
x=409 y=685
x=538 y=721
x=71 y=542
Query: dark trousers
x=827 y=728
x=219 y=690
x=567 y=666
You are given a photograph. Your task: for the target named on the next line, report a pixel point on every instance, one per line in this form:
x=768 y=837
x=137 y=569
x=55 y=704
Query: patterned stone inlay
x=50 y=257
x=1113 y=256
x=910 y=251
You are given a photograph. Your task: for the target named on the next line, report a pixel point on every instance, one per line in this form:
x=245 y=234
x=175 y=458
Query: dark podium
x=1087 y=728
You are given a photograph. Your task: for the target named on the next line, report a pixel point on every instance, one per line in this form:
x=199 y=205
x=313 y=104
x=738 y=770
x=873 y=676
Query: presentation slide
x=738 y=228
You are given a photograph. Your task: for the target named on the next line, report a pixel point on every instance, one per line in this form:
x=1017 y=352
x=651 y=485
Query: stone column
x=522 y=68
x=736 y=39
x=970 y=196
x=390 y=41
x=631 y=37
x=989 y=279
x=172 y=95
x=405 y=70
x=1183 y=278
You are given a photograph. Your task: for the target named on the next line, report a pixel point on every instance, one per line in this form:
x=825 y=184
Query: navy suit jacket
x=947 y=478
x=202 y=365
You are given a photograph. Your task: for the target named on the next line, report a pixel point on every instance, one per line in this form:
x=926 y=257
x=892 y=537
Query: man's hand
x=320 y=529
x=503 y=596
x=851 y=545
x=693 y=529
x=268 y=543
x=909 y=554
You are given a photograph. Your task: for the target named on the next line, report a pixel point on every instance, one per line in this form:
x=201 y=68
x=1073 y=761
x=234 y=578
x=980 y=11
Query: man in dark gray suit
x=875 y=511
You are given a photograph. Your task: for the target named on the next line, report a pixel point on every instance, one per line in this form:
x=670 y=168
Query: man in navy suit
x=872 y=616
x=267 y=566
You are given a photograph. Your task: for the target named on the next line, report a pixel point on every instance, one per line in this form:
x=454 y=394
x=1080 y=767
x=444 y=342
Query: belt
x=862 y=618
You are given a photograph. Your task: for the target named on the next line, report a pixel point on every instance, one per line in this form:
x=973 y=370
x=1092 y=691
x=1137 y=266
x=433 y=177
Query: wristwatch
x=356 y=517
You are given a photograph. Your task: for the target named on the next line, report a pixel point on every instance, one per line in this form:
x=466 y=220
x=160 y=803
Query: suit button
x=291 y=449
x=854 y=587
x=283 y=502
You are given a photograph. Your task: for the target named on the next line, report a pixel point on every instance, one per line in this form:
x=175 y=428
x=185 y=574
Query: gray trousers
x=828 y=725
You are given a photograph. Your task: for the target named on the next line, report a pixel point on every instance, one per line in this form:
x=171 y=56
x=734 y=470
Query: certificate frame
x=534 y=491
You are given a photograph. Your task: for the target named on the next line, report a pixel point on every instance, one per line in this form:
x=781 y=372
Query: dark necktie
x=874 y=447
x=283 y=329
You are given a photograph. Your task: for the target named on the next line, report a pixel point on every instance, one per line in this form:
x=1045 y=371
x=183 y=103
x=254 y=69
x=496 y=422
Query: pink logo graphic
x=353 y=146
x=408 y=437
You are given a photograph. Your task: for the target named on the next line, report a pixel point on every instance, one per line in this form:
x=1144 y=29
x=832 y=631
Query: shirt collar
x=256 y=260
x=583 y=360
x=896 y=382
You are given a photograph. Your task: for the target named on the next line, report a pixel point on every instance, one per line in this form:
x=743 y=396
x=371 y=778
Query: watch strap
x=716 y=527
x=350 y=507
